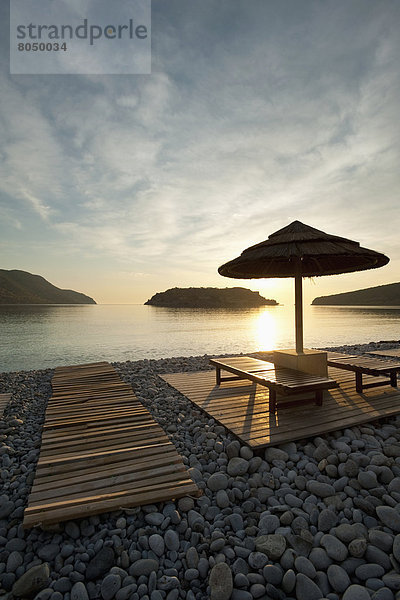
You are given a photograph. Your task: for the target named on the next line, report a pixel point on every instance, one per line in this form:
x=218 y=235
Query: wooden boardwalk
x=393 y=353
x=101 y=450
x=4 y=400
x=242 y=407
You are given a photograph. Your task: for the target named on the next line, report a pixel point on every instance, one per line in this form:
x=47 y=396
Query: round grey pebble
x=154 y=518
x=171 y=539
x=381 y=539
x=257 y=560
x=221 y=582
x=236 y=522
x=79 y=591
x=305 y=566
x=383 y=594
x=156 y=543
x=72 y=529
x=306 y=589
x=44 y=594
x=191 y=574
x=356 y=592
x=320 y=559
x=335 y=549
x=338 y=578
x=48 y=552
x=273 y=545
x=323 y=490
x=326 y=520
x=272 y=453
x=222 y=499
x=289 y=581
x=14 y=560
x=257 y=590
x=273 y=574
x=167 y=583
x=389 y=517
x=392 y=580
x=268 y=524
x=237 y=466
x=63 y=585
x=217 y=481
x=368 y=570
x=143 y=566
x=110 y=586
x=185 y=504
x=367 y=479
x=358 y=547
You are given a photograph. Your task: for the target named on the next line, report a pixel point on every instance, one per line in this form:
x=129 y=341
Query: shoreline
x=309 y=519
x=349 y=348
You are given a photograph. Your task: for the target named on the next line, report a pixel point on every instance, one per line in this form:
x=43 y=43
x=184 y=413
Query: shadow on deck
x=242 y=407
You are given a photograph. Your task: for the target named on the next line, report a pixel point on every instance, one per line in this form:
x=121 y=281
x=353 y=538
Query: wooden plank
x=363 y=363
x=243 y=409
x=4 y=400
x=106 y=488
x=393 y=352
x=101 y=449
x=121 y=458
x=105 y=471
x=283 y=380
x=161 y=494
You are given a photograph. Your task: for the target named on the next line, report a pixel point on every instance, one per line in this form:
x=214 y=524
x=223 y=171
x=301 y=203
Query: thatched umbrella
x=299 y=251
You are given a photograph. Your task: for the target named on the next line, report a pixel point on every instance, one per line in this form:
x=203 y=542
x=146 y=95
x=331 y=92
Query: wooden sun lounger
x=366 y=365
x=278 y=380
x=392 y=353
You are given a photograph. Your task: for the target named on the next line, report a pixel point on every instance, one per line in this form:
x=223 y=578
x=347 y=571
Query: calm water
x=37 y=336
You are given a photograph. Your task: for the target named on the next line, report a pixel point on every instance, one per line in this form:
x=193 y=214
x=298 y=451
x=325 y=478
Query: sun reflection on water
x=265 y=324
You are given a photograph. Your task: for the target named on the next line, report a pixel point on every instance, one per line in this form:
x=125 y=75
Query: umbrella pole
x=298 y=292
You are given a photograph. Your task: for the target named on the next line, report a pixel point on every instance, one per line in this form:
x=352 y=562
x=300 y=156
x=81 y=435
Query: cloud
x=252 y=118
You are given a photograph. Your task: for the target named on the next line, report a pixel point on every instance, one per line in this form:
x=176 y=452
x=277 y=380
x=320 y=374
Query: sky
x=256 y=113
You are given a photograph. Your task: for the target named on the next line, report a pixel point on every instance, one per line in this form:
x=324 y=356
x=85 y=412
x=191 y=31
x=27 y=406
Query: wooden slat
x=243 y=408
x=362 y=363
x=393 y=352
x=138 y=497
x=284 y=380
x=4 y=400
x=101 y=450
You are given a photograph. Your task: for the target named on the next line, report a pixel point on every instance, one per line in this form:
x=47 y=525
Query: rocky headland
x=236 y=297
x=381 y=295
x=21 y=287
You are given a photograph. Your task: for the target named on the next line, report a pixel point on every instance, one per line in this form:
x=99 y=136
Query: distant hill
x=21 y=287
x=381 y=295
x=209 y=298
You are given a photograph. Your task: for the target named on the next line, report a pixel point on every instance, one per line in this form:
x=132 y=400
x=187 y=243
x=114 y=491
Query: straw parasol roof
x=299 y=251
x=319 y=254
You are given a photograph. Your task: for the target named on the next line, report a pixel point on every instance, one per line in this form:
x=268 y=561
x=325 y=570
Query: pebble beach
x=308 y=520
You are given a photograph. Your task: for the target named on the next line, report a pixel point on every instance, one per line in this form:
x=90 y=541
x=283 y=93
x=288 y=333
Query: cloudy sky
x=257 y=113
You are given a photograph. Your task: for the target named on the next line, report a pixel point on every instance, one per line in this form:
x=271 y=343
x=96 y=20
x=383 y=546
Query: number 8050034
x=41 y=47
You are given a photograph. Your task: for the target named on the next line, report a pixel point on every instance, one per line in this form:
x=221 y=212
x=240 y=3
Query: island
x=381 y=295
x=21 y=287
x=236 y=297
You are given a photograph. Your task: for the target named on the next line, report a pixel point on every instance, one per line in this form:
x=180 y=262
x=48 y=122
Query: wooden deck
x=4 y=400
x=242 y=407
x=101 y=450
x=393 y=353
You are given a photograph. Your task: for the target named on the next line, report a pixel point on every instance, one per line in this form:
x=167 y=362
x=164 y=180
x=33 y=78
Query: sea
x=45 y=336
